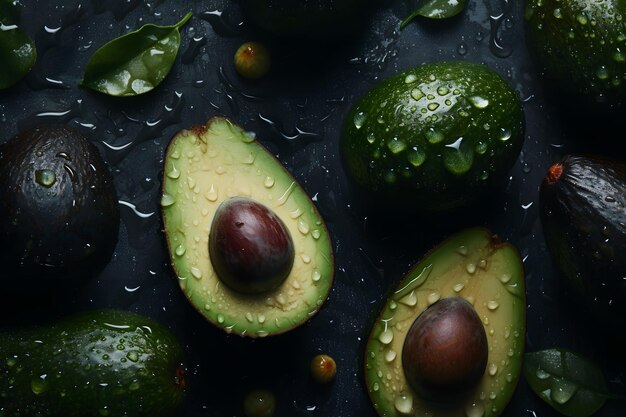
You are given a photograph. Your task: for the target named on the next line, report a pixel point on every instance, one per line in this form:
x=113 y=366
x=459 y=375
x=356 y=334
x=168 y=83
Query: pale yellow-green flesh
x=204 y=168
x=491 y=278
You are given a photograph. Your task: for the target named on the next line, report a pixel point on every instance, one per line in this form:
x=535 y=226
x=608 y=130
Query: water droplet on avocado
x=167 y=200
x=380 y=119
x=316 y=276
x=411 y=78
x=409 y=299
x=457 y=158
x=180 y=250
x=303 y=227
x=211 y=195
x=458 y=287
x=492 y=305
x=261 y=318
x=505 y=278
x=404 y=404
x=220 y=318
x=173 y=173
x=386 y=337
x=443 y=90
x=375 y=387
x=433 y=297
x=396 y=146
x=371 y=138
x=462 y=250
x=417 y=94
x=541 y=374
x=197 y=273
x=390 y=177
x=493 y=369
x=390 y=355
x=39 y=385
x=433 y=106
x=45 y=177
x=268 y=182
x=416 y=156
x=557 y=13
x=505 y=134
x=470 y=268
x=134 y=386
x=474 y=409
x=132 y=356
x=359 y=119
x=316 y=234
x=434 y=136
x=582 y=19
x=479 y=102
x=602 y=73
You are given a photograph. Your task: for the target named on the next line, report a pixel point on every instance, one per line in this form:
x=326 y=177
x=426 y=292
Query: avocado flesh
x=99 y=363
x=474 y=265
x=203 y=167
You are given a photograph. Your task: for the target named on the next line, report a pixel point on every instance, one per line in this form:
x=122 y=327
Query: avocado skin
x=65 y=363
x=392 y=113
x=65 y=230
x=574 y=41
x=584 y=220
x=305 y=18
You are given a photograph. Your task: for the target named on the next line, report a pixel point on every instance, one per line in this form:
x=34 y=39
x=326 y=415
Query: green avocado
x=435 y=137
x=470 y=270
x=99 y=363
x=305 y=18
x=581 y=46
x=248 y=246
x=582 y=202
x=59 y=217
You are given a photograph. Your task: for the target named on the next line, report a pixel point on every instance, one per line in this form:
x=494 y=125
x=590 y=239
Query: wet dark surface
x=297 y=112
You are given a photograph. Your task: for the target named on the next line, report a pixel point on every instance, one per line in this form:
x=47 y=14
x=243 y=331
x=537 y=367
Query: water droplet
x=602 y=72
x=443 y=90
x=45 y=177
x=458 y=287
x=433 y=297
x=268 y=182
x=303 y=227
x=306 y=259
x=134 y=386
x=416 y=156
x=249 y=317
x=411 y=78
x=390 y=177
x=39 y=385
x=371 y=138
x=261 y=318
x=458 y=158
x=396 y=146
x=393 y=305
x=404 y=404
x=316 y=234
x=417 y=94
x=375 y=387
x=563 y=391
x=167 y=200
x=493 y=369
x=557 y=13
x=582 y=19
x=470 y=268
x=380 y=120
x=474 y=409
x=541 y=374
x=211 y=195
x=409 y=299
x=505 y=278
x=316 y=276
x=173 y=173
x=197 y=273
x=390 y=355
x=359 y=119
x=433 y=106
x=434 y=136
x=493 y=305
x=505 y=134
x=132 y=356
x=479 y=102
x=386 y=337
x=462 y=48
x=462 y=250
x=220 y=318
x=180 y=250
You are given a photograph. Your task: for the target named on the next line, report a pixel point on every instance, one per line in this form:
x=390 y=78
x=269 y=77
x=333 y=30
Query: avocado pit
x=250 y=247
x=445 y=351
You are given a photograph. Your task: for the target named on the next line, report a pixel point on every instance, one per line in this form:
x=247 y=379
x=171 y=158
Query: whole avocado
x=305 y=18
x=580 y=45
x=433 y=138
x=59 y=217
x=582 y=202
x=98 y=363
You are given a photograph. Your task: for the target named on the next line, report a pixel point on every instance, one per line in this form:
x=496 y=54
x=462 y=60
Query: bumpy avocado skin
x=59 y=217
x=583 y=218
x=580 y=45
x=477 y=266
x=306 y=18
x=207 y=165
x=433 y=138
x=99 y=363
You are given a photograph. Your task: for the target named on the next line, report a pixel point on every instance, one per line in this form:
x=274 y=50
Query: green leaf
x=17 y=50
x=571 y=384
x=436 y=9
x=135 y=63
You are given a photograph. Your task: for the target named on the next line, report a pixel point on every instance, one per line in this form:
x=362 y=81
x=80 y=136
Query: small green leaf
x=436 y=9
x=571 y=384
x=135 y=63
x=17 y=50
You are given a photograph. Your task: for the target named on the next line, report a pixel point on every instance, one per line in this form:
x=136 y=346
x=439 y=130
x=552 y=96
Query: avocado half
x=489 y=274
x=204 y=167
